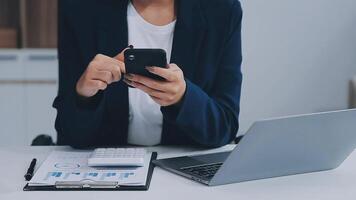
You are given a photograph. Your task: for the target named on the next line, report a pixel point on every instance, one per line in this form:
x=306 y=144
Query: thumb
x=120 y=56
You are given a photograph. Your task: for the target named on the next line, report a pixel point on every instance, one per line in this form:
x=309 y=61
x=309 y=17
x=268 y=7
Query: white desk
x=336 y=184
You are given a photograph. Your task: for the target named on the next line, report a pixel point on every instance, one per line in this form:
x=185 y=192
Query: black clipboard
x=109 y=186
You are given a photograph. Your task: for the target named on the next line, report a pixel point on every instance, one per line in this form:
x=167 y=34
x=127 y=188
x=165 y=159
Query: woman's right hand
x=101 y=72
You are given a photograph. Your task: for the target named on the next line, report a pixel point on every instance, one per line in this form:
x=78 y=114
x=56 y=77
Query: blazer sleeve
x=211 y=119
x=78 y=119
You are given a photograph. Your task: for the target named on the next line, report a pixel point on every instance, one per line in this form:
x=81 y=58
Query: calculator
x=117 y=157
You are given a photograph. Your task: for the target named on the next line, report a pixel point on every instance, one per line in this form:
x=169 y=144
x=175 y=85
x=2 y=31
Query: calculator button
x=103 y=157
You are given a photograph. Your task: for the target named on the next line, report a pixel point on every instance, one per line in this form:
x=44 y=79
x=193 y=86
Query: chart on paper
x=102 y=176
x=72 y=166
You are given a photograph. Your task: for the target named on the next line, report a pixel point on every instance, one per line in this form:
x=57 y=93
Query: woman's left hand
x=165 y=93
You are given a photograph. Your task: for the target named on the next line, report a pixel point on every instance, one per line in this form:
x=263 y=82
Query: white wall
x=299 y=56
x=28 y=86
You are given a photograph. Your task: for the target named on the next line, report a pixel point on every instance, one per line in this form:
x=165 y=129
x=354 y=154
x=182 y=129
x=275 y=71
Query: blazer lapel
x=188 y=36
x=112 y=29
x=112 y=38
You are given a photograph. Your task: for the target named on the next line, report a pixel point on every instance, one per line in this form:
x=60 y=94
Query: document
x=72 y=166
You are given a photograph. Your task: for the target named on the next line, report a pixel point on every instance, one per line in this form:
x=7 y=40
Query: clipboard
x=96 y=186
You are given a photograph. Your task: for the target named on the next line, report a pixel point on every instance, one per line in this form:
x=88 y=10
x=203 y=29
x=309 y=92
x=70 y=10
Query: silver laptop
x=275 y=147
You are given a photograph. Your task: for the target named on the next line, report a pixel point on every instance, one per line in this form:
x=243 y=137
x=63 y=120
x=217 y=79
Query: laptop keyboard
x=206 y=171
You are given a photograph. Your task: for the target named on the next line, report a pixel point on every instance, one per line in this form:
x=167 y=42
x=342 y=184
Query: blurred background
x=28 y=69
x=299 y=57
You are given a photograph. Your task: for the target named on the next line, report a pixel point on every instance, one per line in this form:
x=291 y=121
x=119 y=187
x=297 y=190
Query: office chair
x=43 y=140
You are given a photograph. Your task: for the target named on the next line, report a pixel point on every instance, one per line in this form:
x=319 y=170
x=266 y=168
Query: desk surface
x=335 y=184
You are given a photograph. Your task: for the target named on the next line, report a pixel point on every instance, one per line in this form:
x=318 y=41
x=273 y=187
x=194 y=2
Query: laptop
x=273 y=148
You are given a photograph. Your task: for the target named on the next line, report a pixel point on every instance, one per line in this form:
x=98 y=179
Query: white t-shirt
x=145 y=117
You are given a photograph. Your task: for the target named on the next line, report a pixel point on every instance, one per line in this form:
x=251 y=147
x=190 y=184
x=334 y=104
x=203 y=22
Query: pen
x=30 y=170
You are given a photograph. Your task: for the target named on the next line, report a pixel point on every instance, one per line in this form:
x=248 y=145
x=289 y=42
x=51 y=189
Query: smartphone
x=136 y=61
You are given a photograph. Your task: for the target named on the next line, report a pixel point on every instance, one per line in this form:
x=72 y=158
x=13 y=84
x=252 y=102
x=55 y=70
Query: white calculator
x=117 y=157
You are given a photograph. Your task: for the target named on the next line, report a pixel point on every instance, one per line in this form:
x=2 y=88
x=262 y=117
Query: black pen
x=30 y=170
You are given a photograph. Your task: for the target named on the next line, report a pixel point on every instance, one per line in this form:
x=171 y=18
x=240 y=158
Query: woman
x=197 y=104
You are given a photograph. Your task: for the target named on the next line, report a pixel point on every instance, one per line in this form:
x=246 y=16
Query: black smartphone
x=136 y=61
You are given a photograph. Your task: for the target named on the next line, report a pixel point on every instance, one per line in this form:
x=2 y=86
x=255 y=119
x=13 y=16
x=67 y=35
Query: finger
x=101 y=57
x=98 y=84
x=173 y=67
x=121 y=55
x=161 y=102
x=128 y=82
x=153 y=84
x=168 y=73
x=107 y=65
x=104 y=76
x=147 y=90
x=122 y=67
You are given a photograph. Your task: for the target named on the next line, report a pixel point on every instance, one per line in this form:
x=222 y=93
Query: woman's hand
x=165 y=93
x=101 y=72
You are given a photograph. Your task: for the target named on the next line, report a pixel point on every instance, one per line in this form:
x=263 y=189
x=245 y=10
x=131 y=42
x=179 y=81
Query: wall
x=28 y=86
x=299 y=57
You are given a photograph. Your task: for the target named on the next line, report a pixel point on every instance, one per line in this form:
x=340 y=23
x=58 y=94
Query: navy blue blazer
x=206 y=46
